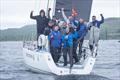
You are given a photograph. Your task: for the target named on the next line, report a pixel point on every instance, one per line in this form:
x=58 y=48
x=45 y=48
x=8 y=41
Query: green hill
x=27 y=32
x=109 y=30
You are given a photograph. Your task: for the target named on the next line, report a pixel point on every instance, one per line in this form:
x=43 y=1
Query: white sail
x=45 y=5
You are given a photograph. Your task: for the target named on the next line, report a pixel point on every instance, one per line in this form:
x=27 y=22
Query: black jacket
x=42 y=22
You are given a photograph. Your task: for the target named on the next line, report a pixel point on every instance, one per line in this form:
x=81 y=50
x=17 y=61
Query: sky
x=15 y=13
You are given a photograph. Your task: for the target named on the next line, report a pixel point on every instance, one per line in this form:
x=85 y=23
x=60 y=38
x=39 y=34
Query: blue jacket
x=67 y=42
x=98 y=23
x=75 y=36
x=81 y=27
x=72 y=22
x=82 y=30
x=55 y=39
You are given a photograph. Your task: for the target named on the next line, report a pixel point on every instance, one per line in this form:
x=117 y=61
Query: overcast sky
x=15 y=13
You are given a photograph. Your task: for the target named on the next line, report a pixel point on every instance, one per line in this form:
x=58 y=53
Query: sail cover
x=83 y=8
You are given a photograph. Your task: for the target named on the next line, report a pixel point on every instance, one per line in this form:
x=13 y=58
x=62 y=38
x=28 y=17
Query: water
x=12 y=67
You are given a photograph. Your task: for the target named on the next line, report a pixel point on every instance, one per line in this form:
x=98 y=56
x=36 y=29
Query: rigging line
x=47 y=6
x=54 y=6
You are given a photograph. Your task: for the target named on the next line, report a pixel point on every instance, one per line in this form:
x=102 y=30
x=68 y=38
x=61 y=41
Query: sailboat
x=42 y=61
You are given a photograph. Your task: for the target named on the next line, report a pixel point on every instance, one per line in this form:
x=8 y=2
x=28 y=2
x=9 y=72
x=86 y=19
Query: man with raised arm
x=42 y=22
x=95 y=33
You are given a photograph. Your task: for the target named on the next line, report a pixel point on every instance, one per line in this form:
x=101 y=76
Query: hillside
x=27 y=32
x=109 y=30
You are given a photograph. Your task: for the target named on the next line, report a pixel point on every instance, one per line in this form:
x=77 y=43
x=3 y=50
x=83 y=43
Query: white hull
x=42 y=61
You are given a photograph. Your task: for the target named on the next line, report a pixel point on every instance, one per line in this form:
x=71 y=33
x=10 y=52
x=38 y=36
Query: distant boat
x=41 y=61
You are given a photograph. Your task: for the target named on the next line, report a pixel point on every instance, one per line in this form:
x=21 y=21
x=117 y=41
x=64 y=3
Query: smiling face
x=93 y=18
x=81 y=20
x=64 y=23
x=56 y=28
x=50 y=24
x=42 y=14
